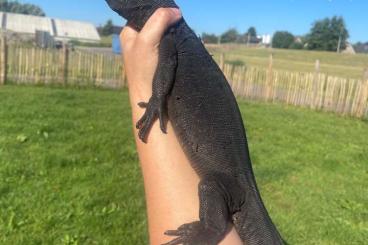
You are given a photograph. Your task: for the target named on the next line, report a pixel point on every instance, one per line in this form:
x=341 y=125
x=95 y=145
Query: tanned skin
x=191 y=91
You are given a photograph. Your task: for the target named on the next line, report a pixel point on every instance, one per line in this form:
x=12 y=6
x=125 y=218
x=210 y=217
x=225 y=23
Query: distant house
x=266 y=39
x=361 y=47
x=63 y=30
x=298 y=39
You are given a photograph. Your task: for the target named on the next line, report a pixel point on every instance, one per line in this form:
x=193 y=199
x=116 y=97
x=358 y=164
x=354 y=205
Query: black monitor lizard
x=191 y=89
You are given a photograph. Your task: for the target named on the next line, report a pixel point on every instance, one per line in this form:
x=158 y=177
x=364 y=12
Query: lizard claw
x=143 y=105
x=155 y=109
x=193 y=234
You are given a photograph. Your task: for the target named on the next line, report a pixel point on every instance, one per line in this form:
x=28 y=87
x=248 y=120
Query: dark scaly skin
x=190 y=88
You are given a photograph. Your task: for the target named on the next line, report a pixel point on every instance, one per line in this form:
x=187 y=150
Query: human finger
x=128 y=37
x=157 y=24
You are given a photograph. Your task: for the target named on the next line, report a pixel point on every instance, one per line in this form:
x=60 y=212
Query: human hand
x=141 y=51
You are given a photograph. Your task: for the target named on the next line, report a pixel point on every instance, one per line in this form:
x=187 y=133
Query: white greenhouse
x=59 y=29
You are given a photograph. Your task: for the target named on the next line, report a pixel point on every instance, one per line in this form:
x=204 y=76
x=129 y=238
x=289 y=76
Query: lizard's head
x=137 y=12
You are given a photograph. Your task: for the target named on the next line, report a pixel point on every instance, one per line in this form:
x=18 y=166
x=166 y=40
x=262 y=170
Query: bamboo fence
x=45 y=66
x=315 y=90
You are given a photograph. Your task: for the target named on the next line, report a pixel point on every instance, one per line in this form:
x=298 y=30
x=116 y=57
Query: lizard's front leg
x=162 y=83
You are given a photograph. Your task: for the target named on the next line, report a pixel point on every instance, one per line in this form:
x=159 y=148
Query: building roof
x=60 y=29
x=76 y=29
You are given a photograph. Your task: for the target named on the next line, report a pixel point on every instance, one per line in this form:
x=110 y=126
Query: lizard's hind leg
x=214 y=218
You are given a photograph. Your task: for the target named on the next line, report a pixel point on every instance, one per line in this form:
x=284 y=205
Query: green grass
x=105 y=42
x=344 y=65
x=69 y=171
x=75 y=176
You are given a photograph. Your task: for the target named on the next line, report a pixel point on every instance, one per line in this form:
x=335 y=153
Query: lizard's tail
x=253 y=223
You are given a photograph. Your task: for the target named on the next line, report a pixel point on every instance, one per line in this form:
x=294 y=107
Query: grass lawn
x=105 y=42
x=69 y=171
x=343 y=65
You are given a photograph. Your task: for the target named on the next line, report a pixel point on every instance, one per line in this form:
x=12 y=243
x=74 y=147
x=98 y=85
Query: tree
x=108 y=28
x=209 y=38
x=16 y=7
x=250 y=36
x=243 y=38
x=252 y=32
x=328 y=34
x=230 y=36
x=282 y=39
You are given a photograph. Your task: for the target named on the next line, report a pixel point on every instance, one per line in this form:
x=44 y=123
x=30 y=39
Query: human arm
x=171 y=185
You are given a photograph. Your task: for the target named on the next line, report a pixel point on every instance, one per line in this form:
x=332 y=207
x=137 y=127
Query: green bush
x=210 y=38
x=282 y=39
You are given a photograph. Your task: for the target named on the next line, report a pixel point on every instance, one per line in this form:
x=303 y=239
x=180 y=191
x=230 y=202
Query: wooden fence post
x=269 y=79
x=365 y=108
x=65 y=63
x=222 y=61
x=3 y=60
x=362 y=106
x=315 y=95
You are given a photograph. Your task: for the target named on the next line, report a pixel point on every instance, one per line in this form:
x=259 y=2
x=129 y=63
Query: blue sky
x=216 y=16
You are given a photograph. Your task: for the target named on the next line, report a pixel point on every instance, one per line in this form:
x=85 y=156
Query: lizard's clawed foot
x=155 y=109
x=194 y=234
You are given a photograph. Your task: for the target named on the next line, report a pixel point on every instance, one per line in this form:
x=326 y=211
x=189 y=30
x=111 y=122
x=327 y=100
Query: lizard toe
x=141 y=121
x=155 y=109
x=143 y=105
